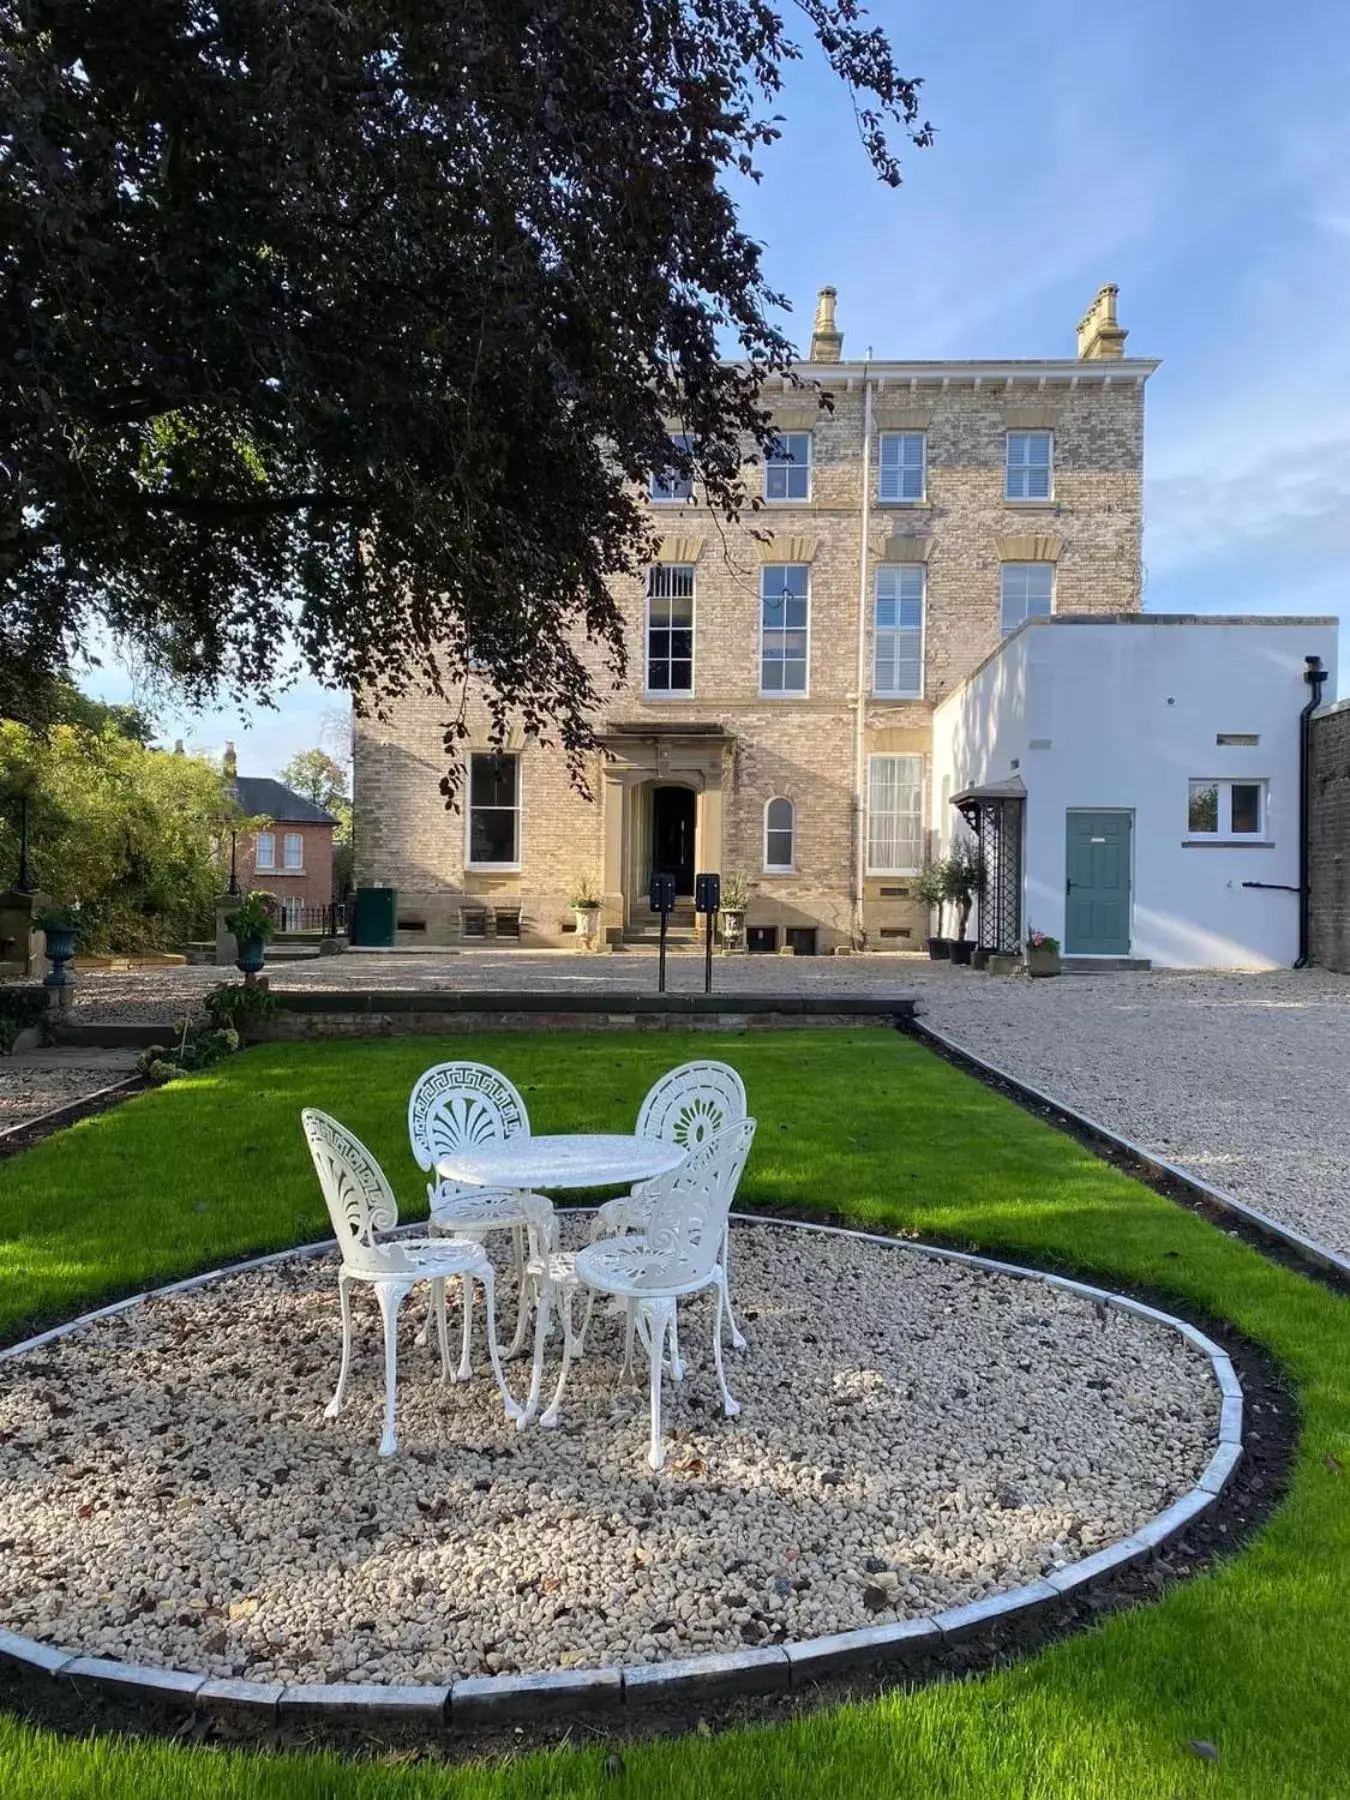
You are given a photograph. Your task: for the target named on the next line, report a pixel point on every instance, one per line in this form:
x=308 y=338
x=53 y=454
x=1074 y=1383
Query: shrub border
x=475 y=1701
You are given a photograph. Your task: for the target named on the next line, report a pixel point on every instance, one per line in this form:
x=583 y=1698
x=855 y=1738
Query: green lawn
x=1251 y=1656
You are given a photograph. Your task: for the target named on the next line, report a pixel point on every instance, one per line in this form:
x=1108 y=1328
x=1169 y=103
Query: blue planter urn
x=251 y=950
x=60 y=950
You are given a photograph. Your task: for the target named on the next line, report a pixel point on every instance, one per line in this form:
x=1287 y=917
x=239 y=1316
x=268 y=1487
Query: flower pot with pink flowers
x=1042 y=954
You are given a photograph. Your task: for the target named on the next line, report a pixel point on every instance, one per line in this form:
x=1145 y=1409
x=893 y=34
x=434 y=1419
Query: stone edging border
x=500 y=1699
x=71 y=1110
x=1307 y=1249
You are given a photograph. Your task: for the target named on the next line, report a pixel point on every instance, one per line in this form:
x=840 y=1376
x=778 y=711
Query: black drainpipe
x=1315 y=676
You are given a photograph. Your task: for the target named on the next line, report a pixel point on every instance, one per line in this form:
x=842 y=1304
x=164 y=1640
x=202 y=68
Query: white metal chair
x=678 y=1254
x=361 y=1203
x=458 y=1106
x=686 y=1106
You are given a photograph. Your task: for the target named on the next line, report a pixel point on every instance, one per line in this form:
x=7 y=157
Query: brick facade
x=311 y=884
x=737 y=748
x=1329 y=839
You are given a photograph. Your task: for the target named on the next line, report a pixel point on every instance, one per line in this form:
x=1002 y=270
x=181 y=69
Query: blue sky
x=1195 y=153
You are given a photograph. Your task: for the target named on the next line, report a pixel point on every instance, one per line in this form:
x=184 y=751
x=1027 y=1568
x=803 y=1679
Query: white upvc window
x=784 y=628
x=670 y=630
x=787 y=473
x=669 y=483
x=1028 y=472
x=894 y=815
x=897 y=632
x=902 y=466
x=293 y=852
x=1027 y=591
x=780 y=837
x=493 y=814
x=1226 y=809
x=265 y=850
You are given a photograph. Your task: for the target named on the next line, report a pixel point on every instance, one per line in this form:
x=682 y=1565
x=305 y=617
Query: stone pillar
x=21 y=943
x=227 y=951
x=612 y=878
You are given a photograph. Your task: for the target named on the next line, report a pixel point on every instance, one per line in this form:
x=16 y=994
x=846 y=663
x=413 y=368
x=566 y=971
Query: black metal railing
x=296 y=915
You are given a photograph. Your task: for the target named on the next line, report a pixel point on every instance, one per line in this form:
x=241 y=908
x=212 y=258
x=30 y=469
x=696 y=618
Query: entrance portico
x=663 y=808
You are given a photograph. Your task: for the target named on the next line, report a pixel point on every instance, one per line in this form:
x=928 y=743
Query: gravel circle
x=915 y=1434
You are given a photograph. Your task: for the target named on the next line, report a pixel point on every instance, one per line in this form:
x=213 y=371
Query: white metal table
x=578 y=1160
x=584 y=1159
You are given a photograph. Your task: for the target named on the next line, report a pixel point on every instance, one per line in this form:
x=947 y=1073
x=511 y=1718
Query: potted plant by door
x=253 y=923
x=735 y=898
x=927 y=888
x=962 y=879
x=60 y=927
x=1042 y=954
x=585 y=910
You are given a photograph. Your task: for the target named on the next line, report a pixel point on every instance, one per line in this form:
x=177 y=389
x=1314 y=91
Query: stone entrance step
x=1103 y=965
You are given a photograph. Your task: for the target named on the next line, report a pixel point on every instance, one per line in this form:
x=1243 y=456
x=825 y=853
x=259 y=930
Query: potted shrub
x=927 y=888
x=585 y=909
x=60 y=926
x=962 y=879
x=1042 y=954
x=735 y=899
x=253 y=923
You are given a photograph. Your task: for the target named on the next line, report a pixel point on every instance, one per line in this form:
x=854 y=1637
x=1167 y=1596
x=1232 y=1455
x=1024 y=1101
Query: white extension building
x=1135 y=782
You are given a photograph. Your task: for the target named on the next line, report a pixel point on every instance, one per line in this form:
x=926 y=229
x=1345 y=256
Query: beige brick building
x=776 y=718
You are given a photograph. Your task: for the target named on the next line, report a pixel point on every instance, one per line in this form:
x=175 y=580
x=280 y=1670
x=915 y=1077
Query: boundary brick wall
x=1329 y=838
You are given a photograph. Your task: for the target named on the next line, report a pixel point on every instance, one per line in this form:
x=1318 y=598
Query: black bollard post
x=707 y=899
x=663 y=902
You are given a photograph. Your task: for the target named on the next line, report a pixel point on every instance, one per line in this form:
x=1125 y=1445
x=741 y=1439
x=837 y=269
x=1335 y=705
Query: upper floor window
x=1227 y=809
x=1027 y=593
x=897 y=636
x=293 y=851
x=894 y=814
x=265 y=850
x=670 y=628
x=902 y=465
x=669 y=483
x=1027 y=471
x=780 y=835
x=787 y=473
x=784 y=642
x=494 y=811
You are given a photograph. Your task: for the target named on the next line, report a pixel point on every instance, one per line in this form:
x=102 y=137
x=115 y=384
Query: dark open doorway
x=673 y=810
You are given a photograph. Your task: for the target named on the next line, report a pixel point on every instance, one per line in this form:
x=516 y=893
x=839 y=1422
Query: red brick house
x=292 y=856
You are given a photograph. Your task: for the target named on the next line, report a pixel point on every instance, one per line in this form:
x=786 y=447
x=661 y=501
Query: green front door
x=1097 y=887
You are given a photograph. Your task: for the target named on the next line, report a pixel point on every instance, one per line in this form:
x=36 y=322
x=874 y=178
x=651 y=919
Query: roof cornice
x=1030 y=376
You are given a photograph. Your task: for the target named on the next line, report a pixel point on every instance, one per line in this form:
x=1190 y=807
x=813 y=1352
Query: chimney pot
x=1100 y=335
x=827 y=341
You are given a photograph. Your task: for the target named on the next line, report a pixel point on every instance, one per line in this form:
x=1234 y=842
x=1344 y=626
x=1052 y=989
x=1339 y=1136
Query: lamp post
x=233 y=888
x=24 y=884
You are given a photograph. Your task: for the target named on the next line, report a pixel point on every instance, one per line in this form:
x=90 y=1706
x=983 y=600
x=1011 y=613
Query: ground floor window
x=780 y=835
x=894 y=814
x=1224 y=809
x=494 y=811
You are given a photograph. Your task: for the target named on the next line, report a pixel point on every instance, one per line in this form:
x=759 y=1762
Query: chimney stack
x=230 y=763
x=827 y=341
x=178 y=749
x=1100 y=337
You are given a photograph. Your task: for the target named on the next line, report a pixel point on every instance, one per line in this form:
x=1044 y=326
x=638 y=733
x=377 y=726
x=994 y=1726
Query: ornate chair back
x=689 y=1208
x=462 y=1106
x=360 y=1201
x=691 y=1102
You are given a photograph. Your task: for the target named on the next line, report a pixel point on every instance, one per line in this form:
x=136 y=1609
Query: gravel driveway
x=1243 y=1078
